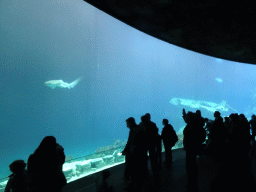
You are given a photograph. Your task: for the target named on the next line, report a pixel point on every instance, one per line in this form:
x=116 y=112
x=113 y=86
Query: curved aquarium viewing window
x=72 y=71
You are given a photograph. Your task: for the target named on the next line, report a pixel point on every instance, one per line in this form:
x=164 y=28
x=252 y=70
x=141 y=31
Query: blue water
x=125 y=73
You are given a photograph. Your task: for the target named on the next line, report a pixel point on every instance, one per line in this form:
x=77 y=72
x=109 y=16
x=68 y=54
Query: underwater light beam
x=60 y=83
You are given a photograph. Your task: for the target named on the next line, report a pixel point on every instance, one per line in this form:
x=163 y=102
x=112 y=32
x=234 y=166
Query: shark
x=61 y=84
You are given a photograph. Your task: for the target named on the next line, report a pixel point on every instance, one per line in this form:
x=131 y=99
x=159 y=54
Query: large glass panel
x=116 y=70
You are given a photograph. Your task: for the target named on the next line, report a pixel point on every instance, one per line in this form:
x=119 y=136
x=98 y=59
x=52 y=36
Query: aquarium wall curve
x=72 y=71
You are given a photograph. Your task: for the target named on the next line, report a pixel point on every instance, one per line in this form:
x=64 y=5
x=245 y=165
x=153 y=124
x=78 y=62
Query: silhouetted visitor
x=151 y=137
x=138 y=155
x=200 y=119
x=227 y=125
x=217 y=131
x=169 y=137
x=18 y=178
x=45 y=167
x=233 y=137
x=101 y=182
x=200 y=123
x=252 y=122
x=131 y=124
x=192 y=144
x=216 y=138
x=143 y=127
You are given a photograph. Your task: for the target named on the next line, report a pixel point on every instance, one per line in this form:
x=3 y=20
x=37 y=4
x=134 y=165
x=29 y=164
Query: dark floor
x=213 y=175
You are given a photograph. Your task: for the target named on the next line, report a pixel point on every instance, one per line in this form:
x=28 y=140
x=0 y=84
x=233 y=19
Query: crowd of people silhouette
x=231 y=140
x=144 y=139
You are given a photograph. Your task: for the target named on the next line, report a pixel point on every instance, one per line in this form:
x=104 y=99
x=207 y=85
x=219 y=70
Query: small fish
x=219 y=80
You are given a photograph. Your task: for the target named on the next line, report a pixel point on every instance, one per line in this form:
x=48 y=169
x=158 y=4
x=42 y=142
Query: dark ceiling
x=219 y=28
